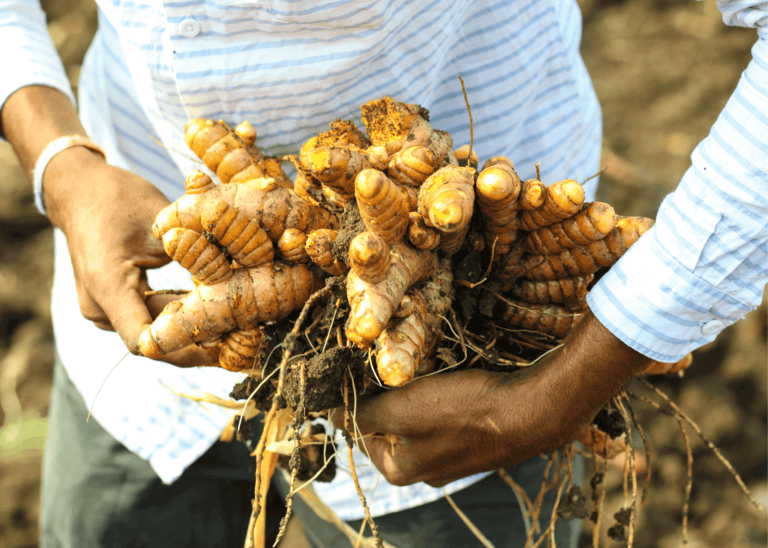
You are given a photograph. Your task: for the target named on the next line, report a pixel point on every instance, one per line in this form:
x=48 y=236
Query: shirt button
x=712 y=327
x=189 y=28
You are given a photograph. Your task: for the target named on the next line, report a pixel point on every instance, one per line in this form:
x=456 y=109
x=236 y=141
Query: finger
x=156 y=303
x=90 y=310
x=382 y=413
x=128 y=314
x=192 y=356
x=395 y=471
x=443 y=481
x=104 y=326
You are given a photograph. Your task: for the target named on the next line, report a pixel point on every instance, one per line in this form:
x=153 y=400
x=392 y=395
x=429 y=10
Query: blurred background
x=663 y=69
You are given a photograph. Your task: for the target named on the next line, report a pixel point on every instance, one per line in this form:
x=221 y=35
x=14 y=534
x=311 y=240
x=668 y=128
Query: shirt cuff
x=659 y=308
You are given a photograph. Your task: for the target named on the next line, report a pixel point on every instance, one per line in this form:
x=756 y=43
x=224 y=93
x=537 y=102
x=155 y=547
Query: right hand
x=107 y=215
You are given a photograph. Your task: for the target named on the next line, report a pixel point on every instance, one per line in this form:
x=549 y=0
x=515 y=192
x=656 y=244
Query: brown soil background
x=663 y=70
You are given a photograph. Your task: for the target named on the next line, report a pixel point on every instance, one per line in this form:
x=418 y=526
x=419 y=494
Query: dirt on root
x=350 y=225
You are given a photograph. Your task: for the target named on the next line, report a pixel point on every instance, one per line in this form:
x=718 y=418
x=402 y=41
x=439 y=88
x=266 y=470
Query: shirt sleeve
x=704 y=264
x=29 y=56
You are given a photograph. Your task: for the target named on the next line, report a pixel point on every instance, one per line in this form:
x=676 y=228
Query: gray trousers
x=96 y=493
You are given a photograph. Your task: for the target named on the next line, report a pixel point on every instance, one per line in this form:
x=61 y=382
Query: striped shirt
x=290 y=67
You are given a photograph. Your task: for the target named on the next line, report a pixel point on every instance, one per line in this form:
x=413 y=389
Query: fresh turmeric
x=369 y=257
x=273 y=207
x=446 y=202
x=564 y=198
x=404 y=348
x=201 y=258
x=549 y=319
x=421 y=235
x=231 y=154
x=588 y=259
x=498 y=188
x=412 y=166
x=239 y=350
x=564 y=290
x=243 y=238
x=383 y=205
x=372 y=304
x=592 y=223
x=248 y=298
x=318 y=247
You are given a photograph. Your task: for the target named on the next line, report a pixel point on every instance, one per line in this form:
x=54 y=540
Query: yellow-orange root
x=592 y=223
x=201 y=258
x=421 y=235
x=243 y=238
x=533 y=194
x=549 y=319
x=588 y=259
x=319 y=248
x=404 y=349
x=239 y=350
x=372 y=305
x=564 y=199
x=566 y=290
x=383 y=205
x=291 y=246
x=498 y=188
x=369 y=257
x=249 y=297
x=661 y=368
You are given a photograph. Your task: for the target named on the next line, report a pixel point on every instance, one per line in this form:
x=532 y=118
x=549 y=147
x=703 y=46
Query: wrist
x=53 y=149
x=66 y=185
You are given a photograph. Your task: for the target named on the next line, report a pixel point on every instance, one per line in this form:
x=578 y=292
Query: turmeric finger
x=243 y=238
x=201 y=258
x=318 y=247
x=565 y=290
x=421 y=235
x=369 y=257
x=231 y=154
x=588 y=259
x=372 y=305
x=337 y=167
x=291 y=246
x=412 y=166
x=564 y=198
x=239 y=349
x=249 y=297
x=383 y=205
x=498 y=188
x=403 y=349
x=661 y=368
x=533 y=194
x=549 y=319
x=592 y=223
x=462 y=157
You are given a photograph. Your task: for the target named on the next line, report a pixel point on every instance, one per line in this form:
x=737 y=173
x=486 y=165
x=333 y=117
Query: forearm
x=31 y=119
x=574 y=381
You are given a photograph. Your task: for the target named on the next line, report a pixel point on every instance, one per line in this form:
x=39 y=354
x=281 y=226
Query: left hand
x=453 y=425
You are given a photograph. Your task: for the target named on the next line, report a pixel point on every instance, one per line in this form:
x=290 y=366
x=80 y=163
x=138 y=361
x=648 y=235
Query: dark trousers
x=96 y=493
x=490 y=504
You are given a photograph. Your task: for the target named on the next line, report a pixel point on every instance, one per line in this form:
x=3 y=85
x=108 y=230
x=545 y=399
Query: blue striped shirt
x=290 y=67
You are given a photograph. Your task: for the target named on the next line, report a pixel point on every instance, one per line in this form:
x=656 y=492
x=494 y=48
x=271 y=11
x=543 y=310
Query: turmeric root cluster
x=258 y=245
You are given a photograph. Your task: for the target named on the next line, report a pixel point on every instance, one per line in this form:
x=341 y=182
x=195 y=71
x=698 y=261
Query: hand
x=111 y=244
x=452 y=425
